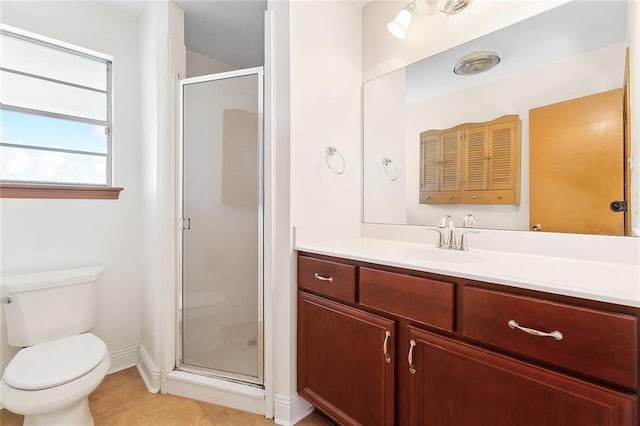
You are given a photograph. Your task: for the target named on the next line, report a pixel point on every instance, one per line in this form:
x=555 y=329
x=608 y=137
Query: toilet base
x=77 y=414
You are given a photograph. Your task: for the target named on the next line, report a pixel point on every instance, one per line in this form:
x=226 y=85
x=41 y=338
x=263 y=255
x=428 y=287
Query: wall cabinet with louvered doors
x=492 y=162
x=440 y=167
x=471 y=163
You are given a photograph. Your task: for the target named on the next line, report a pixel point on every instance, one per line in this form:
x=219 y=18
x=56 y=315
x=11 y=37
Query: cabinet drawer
x=329 y=278
x=505 y=196
x=444 y=197
x=597 y=343
x=420 y=299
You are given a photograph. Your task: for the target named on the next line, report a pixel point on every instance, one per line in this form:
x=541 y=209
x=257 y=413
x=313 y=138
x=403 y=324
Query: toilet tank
x=49 y=305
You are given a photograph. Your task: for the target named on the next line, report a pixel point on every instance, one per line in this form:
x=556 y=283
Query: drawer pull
x=385 y=347
x=555 y=334
x=412 y=368
x=321 y=278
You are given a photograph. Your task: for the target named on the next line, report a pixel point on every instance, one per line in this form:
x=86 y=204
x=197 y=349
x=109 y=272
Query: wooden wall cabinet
x=441 y=169
x=420 y=349
x=472 y=163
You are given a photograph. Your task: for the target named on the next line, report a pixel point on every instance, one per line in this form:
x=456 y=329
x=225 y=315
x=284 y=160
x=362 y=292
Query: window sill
x=20 y=190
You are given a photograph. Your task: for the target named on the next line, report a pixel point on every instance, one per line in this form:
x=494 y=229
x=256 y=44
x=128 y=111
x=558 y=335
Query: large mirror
x=561 y=77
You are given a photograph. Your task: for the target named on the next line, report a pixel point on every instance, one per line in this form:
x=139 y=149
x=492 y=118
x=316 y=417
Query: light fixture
x=476 y=62
x=399 y=26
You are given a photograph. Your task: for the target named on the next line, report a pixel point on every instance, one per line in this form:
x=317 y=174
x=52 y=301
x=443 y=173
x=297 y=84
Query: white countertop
x=607 y=282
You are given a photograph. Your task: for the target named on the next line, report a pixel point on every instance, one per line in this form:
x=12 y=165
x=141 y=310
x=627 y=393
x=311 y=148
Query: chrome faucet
x=449 y=241
x=447 y=223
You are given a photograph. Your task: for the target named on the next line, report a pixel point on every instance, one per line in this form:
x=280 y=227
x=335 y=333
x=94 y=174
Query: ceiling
x=230 y=31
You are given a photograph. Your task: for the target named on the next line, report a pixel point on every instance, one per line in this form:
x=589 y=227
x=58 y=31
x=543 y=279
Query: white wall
x=594 y=72
x=162 y=59
x=198 y=64
x=428 y=35
x=325 y=111
x=39 y=234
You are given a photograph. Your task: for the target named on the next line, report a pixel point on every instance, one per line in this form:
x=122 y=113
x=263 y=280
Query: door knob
x=618 y=206
x=536 y=227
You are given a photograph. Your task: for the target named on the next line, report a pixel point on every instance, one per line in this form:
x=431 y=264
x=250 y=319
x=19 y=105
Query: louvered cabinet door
x=450 y=170
x=502 y=156
x=477 y=139
x=430 y=162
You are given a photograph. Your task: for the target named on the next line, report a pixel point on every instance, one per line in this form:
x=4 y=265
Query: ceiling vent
x=476 y=63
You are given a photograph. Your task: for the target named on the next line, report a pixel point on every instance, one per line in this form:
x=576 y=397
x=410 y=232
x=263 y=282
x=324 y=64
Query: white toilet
x=50 y=379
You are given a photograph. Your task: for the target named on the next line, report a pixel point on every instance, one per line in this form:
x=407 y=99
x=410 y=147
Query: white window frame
x=107 y=124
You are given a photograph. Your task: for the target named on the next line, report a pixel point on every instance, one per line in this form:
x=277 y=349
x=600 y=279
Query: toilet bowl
x=50 y=383
x=48 y=315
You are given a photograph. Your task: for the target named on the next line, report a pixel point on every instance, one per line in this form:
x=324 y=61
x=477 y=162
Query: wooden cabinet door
x=430 y=162
x=477 y=140
x=450 y=161
x=456 y=384
x=342 y=367
x=503 y=166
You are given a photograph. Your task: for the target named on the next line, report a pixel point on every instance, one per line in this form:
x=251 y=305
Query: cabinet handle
x=427 y=197
x=475 y=197
x=499 y=197
x=555 y=334
x=385 y=347
x=451 y=197
x=412 y=368
x=321 y=278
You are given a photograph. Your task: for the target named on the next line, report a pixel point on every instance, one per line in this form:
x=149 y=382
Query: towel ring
x=387 y=164
x=340 y=166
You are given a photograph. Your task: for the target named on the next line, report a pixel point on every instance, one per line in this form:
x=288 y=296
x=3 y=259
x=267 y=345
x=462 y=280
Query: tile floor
x=122 y=400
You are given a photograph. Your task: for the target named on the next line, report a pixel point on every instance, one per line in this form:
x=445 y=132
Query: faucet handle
x=463 y=241
x=468 y=221
x=445 y=221
x=440 y=235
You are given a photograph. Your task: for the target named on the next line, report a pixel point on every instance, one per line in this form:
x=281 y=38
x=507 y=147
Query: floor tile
x=118 y=392
x=122 y=400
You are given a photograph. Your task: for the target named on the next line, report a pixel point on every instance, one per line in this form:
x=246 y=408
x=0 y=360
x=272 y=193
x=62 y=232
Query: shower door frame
x=179 y=364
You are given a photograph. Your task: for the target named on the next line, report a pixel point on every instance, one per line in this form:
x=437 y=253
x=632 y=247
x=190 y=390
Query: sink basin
x=436 y=255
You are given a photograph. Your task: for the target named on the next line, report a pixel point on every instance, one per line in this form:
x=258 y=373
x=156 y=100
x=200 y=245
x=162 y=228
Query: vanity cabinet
x=415 y=348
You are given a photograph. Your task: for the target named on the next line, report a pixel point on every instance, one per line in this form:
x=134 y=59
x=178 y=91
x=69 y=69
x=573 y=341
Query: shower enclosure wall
x=220 y=305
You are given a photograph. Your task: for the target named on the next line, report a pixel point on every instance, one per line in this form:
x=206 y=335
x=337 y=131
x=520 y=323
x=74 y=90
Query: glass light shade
x=400 y=24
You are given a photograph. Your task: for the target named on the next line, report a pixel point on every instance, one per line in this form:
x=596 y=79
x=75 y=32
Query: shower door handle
x=186 y=224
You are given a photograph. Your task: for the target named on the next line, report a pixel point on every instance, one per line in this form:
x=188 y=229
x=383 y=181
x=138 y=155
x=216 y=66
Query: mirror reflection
x=536 y=141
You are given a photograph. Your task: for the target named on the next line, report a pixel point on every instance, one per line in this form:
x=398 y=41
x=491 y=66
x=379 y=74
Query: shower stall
x=220 y=299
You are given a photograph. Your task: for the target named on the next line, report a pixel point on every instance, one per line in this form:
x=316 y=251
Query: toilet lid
x=54 y=363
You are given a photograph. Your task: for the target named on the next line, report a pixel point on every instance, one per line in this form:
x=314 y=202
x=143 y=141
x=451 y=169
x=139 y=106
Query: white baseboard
x=216 y=391
x=290 y=409
x=148 y=371
x=123 y=358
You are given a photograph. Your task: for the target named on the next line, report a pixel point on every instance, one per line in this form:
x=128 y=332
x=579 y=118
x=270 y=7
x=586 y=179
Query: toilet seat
x=54 y=363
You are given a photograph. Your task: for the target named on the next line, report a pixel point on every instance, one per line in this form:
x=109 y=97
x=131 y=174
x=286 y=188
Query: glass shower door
x=222 y=237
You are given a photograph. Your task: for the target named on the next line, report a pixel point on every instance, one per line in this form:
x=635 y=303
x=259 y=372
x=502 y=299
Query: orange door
x=576 y=159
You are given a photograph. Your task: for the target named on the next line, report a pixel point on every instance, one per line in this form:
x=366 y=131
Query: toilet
x=48 y=315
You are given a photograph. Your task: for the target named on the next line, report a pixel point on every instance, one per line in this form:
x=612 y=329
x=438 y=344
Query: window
x=55 y=117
